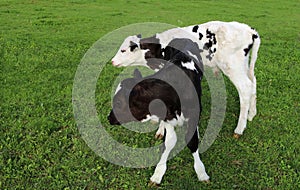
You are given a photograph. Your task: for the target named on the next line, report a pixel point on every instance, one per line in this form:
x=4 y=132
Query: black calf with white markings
x=178 y=86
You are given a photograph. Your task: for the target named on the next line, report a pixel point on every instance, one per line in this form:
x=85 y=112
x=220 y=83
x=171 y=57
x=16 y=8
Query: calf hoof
x=152 y=184
x=159 y=136
x=236 y=136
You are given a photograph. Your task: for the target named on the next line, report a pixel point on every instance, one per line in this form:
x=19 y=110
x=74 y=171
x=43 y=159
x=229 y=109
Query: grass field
x=41 y=45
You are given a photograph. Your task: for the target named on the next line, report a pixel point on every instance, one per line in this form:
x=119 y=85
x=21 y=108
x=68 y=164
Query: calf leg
x=252 y=109
x=198 y=165
x=244 y=87
x=161 y=167
x=161 y=130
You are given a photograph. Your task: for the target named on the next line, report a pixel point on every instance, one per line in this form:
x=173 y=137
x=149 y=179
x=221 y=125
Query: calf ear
x=139 y=35
x=137 y=74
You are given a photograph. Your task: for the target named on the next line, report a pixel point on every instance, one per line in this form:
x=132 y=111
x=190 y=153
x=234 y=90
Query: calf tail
x=256 y=44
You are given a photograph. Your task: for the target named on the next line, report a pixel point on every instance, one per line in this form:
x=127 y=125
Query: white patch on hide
x=190 y=65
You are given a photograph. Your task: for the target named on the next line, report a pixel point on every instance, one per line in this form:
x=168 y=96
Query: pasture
x=41 y=46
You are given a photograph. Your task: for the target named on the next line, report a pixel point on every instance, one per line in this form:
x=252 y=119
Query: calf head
x=136 y=51
x=138 y=98
x=121 y=112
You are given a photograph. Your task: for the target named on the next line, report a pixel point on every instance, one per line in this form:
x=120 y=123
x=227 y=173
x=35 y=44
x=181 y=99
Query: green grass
x=41 y=45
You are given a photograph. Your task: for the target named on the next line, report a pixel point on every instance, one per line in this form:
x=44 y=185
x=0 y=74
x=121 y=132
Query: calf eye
x=123 y=50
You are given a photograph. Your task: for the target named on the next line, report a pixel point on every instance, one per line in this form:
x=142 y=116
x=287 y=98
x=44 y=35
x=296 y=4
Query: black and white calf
x=223 y=46
x=178 y=86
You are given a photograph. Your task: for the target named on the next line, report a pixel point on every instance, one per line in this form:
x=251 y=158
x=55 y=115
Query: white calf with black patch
x=224 y=46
